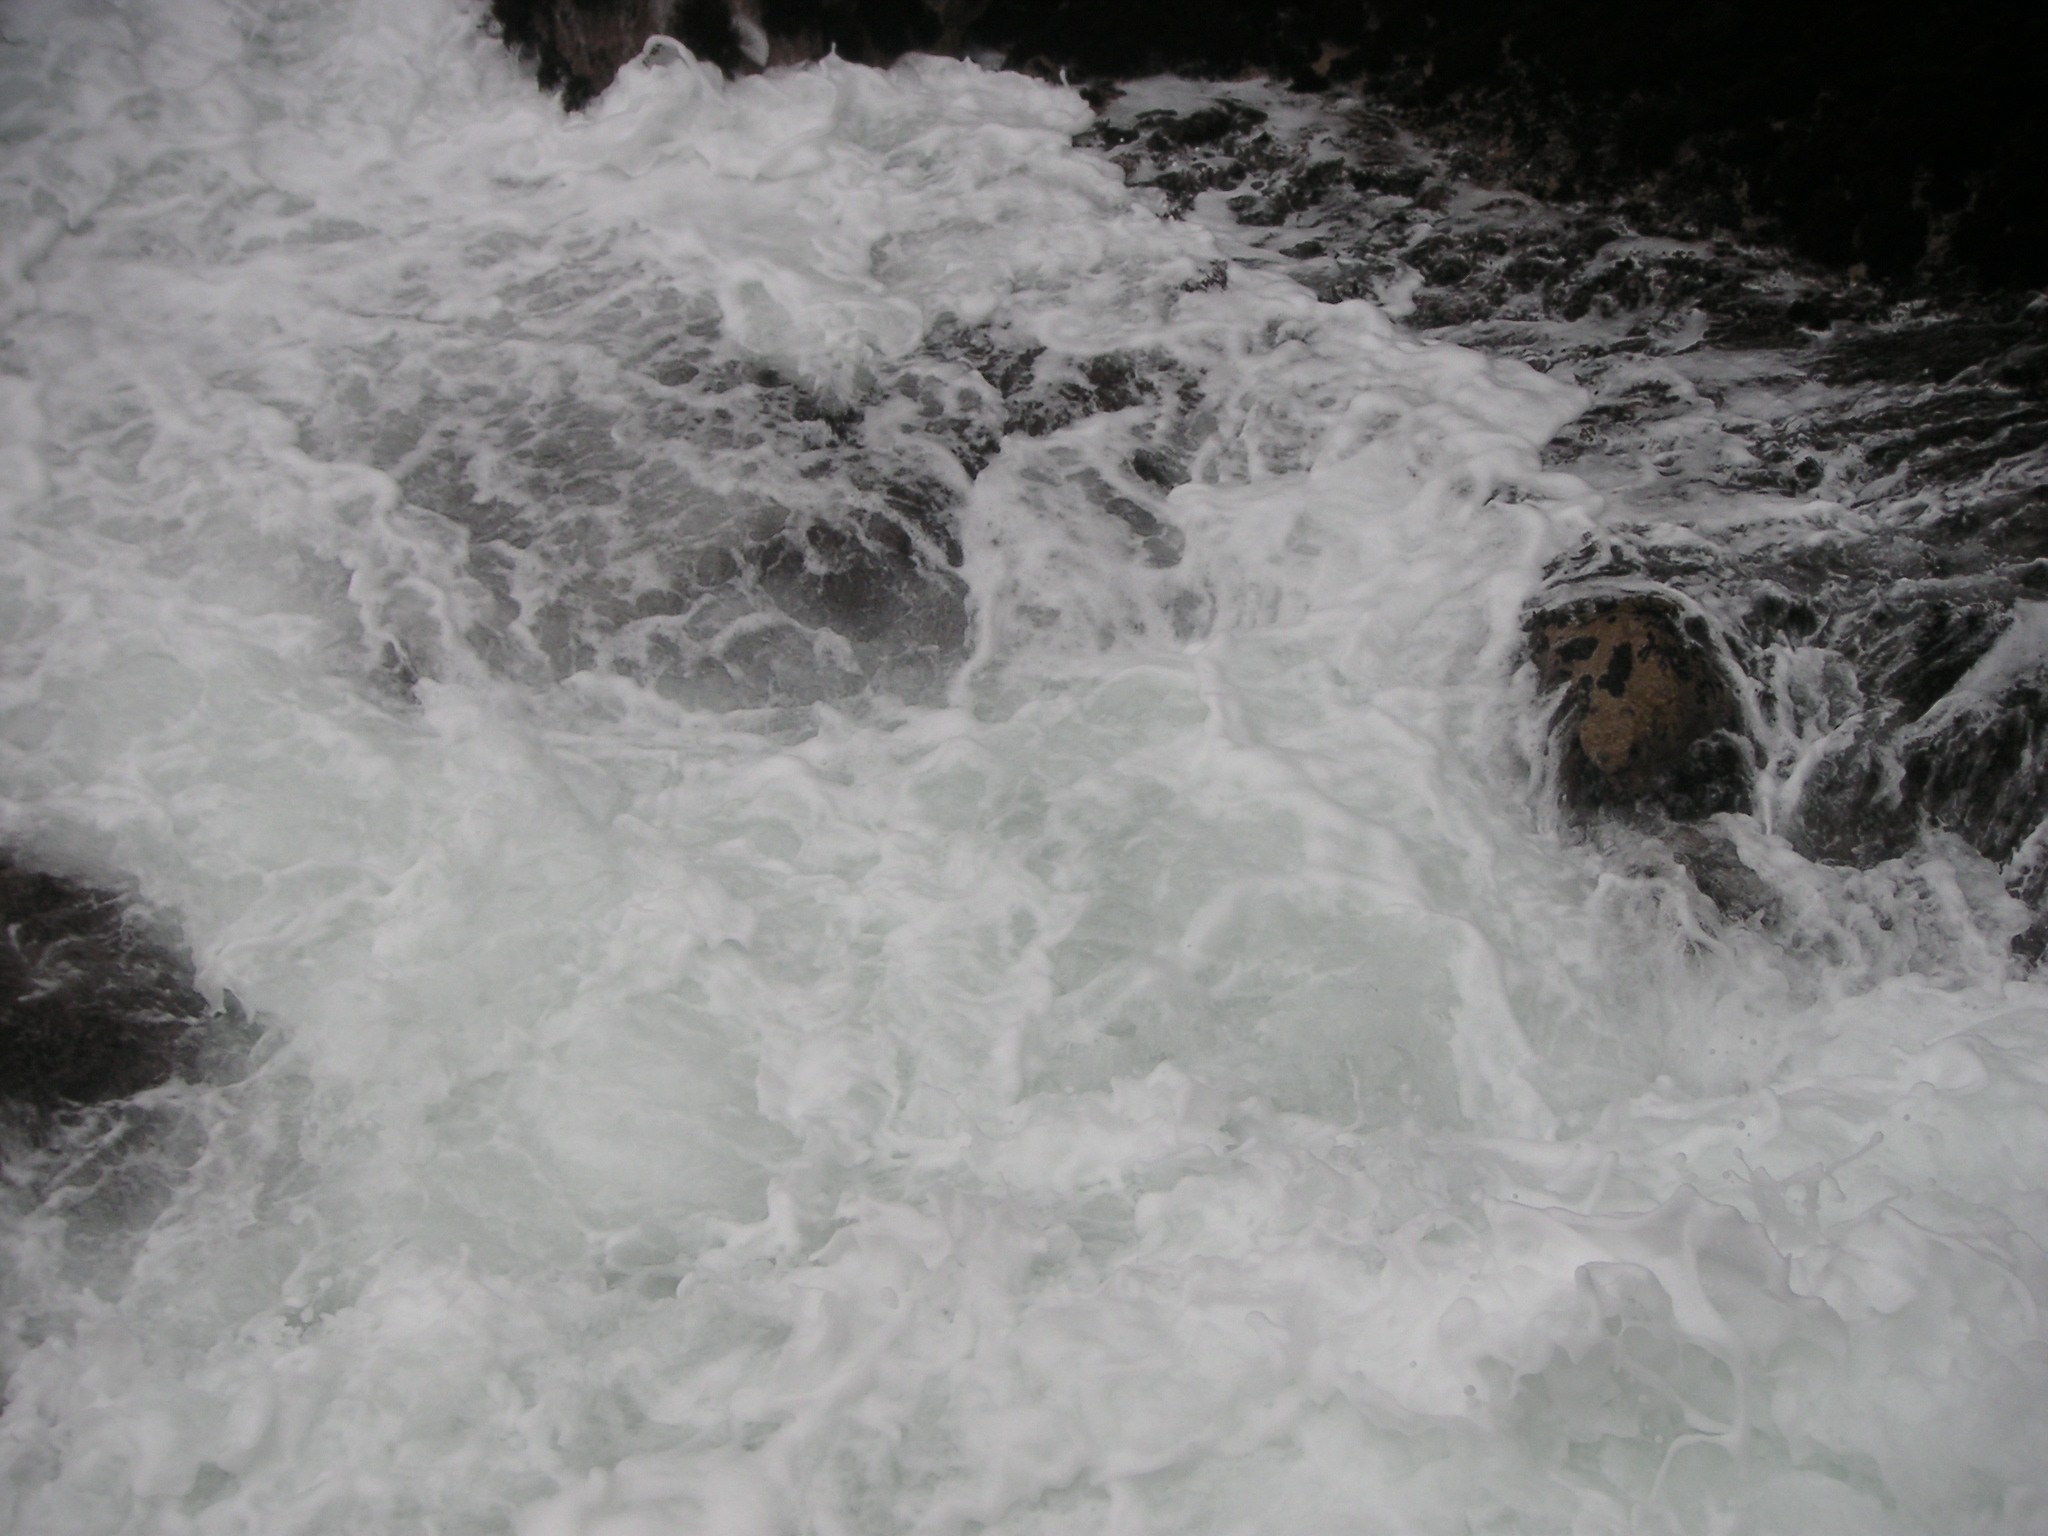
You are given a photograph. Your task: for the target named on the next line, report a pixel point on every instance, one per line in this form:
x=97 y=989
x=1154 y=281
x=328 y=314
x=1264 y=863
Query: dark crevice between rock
x=97 y=1006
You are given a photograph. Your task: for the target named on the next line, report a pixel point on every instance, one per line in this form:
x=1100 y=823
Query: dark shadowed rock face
x=580 y=45
x=1645 y=716
x=94 y=1004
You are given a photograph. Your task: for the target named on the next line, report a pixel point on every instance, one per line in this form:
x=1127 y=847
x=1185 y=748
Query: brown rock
x=1646 y=716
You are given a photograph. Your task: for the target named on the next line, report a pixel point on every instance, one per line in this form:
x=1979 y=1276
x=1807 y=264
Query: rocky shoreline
x=1830 y=504
x=1826 y=601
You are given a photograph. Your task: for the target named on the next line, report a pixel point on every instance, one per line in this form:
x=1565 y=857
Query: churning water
x=893 y=862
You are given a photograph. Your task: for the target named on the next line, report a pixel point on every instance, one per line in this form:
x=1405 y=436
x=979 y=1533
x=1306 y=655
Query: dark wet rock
x=964 y=418
x=736 y=537
x=923 y=507
x=97 y=1003
x=821 y=609
x=1980 y=769
x=1889 y=413
x=1914 y=649
x=1007 y=364
x=1976 y=768
x=713 y=527
x=1917 y=433
x=1390 y=173
x=579 y=46
x=1645 y=715
x=1933 y=351
x=1894 y=676
x=867 y=31
x=1536 y=201
x=1288 y=195
x=1176 y=157
x=1161 y=543
x=1042 y=393
x=1354 y=204
x=1711 y=858
x=1439 y=308
x=1160 y=466
x=2012 y=527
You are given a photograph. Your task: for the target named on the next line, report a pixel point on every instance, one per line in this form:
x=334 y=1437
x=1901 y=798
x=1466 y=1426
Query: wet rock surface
x=1850 y=491
x=1717 y=869
x=1646 y=715
x=96 y=1004
x=579 y=46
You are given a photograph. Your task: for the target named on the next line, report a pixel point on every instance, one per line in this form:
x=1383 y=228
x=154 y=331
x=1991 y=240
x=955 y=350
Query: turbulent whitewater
x=882 y=821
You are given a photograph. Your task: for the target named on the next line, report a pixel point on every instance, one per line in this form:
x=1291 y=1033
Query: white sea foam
x=1173 y=1080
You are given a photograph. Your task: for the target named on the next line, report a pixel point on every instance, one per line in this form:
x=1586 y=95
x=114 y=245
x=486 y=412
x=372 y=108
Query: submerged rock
x=1710 y=856
x=1645 y=717
x=95 y=1003
x=868 y=582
